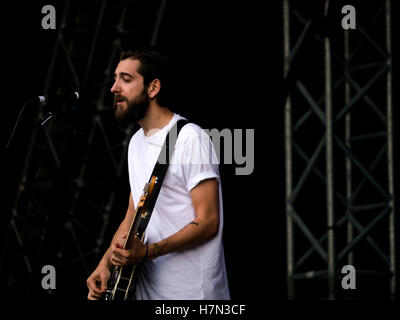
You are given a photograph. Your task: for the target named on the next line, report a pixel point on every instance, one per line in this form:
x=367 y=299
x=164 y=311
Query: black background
x=229 y=57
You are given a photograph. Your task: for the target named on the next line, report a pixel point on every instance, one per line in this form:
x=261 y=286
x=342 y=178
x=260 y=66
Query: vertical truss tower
x=339 y=150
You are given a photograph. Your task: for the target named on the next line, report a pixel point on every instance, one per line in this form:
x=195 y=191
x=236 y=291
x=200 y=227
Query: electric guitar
x=123 y=280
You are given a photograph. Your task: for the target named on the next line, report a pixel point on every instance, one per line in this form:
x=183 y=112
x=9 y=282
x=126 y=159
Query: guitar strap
x=160 y=170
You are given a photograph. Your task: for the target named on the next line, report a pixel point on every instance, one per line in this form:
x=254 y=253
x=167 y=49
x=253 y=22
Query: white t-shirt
x=197 y=273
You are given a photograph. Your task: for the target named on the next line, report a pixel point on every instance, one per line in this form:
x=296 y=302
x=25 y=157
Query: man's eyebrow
x=122 y=74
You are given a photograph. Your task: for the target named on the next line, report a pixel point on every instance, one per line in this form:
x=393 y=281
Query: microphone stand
x=46 y=118
x=41 y=122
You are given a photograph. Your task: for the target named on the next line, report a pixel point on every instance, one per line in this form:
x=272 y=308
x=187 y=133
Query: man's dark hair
x=153 y=65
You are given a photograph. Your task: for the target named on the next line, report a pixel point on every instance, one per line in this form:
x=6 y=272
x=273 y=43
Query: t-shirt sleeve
x=199 y=160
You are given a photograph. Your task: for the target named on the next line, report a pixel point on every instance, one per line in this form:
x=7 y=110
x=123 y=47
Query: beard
x=135 y=109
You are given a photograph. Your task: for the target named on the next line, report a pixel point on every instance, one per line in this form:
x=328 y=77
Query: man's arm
x=205 y=226
x=121 y=232
x=97 y=282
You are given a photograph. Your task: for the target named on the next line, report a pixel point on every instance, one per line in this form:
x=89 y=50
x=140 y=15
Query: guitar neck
x=133 y=227
x=140 y=209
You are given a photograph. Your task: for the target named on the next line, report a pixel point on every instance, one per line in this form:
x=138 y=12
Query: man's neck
x=155 y=119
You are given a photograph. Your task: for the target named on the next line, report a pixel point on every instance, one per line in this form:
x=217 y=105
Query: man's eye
x=126 y=79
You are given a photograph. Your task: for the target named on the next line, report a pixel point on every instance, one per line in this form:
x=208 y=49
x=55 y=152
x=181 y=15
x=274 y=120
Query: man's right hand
x=97 y=282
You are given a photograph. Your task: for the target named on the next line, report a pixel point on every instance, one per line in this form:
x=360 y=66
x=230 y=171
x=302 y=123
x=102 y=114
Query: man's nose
x=115 y=88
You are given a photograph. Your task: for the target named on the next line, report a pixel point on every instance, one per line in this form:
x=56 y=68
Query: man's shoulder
x=136 y=136
x=191 y=131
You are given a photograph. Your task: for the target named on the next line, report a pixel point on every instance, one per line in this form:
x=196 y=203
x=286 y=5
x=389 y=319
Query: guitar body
x=123 y=280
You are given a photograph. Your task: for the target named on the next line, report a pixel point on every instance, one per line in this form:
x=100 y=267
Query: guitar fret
x=124 y=278
x=120 y=289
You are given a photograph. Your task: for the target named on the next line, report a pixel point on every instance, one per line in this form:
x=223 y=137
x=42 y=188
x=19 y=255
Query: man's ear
x=154 y=88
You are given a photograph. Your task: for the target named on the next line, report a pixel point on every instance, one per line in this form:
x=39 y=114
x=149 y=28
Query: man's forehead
x=128 y=66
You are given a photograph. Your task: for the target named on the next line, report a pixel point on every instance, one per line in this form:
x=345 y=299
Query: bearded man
x=181 y=255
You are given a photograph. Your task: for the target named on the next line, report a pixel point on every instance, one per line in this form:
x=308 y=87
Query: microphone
x=59 y=103
x=70 y=97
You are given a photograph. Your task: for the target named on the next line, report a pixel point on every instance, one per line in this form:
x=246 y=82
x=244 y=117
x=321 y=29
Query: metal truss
x=75 y=166
x=338 y=151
